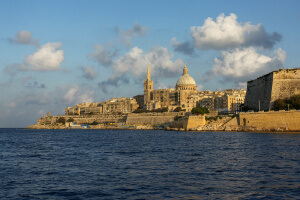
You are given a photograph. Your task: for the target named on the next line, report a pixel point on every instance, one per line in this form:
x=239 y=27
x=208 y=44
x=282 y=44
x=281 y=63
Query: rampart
x=193 y=122
x=259 y=92
x=273 y=120
x=263 y=91
x=286 y=83
x=151 y=118
x=84 y=119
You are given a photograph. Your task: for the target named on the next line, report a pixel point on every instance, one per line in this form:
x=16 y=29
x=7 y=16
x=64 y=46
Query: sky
x=56 y=54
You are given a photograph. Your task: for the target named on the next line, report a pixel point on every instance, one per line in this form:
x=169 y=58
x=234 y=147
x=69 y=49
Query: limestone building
x=113 y=106
x=279 y=84
x=186 y=96
x=170 y=98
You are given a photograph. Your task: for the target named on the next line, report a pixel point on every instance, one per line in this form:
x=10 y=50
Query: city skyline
x=57 y=54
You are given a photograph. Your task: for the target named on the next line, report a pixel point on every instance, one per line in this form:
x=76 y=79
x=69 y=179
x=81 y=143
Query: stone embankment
x=287 y=121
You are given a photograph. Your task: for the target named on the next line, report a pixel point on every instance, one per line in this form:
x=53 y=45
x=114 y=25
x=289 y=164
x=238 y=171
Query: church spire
x=148 y=73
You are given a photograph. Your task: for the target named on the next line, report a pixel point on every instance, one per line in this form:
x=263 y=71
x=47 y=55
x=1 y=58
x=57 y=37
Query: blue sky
x=56 y=54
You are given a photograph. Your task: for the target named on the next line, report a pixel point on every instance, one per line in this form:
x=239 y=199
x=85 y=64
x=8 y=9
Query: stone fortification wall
x=273 y=120
x=151 y=118
x=84 y=120
x=259 y=92
x=278 y=84
x=286 y=83
x=192 y=122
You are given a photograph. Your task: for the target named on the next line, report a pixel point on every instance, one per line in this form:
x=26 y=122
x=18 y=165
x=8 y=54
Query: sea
x=148 y=164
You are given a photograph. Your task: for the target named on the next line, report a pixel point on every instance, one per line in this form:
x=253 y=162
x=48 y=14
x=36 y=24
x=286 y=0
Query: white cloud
x=226 y=32
x=104 y=54
x=42 y=112
x=200 y=87
x=89 y=72
x=125 y=36
x=161 y=85
x=74 y=95
x=186 y=48
x=241 y=65
x=47 y=58
x=25 y=37
x=35 y=99
x=135 y=62
x=12 y=105
x=241 y=85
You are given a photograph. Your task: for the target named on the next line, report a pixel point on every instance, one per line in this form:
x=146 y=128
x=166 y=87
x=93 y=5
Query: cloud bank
x=104 y=54
x=242 y=65
x=135 y=63
x=74 y=94
x=226 y=32
x=89 y=72
x=186 y=48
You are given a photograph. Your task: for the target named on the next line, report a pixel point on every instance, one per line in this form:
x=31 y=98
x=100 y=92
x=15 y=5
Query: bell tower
x=148 y=87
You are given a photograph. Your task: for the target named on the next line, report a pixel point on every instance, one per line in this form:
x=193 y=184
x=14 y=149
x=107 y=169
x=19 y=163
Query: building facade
x=186 y=96
x=113 y=106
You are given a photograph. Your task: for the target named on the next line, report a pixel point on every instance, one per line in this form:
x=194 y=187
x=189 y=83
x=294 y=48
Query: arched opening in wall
x=245 y=123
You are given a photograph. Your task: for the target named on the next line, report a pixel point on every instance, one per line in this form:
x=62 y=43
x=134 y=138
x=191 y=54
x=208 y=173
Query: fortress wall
x=286 y=83
x=279 y=84
x=259 y=90
x=84 y=120
x=151 y=118
x=193 y=122
x=286 y=120
x=146 y=120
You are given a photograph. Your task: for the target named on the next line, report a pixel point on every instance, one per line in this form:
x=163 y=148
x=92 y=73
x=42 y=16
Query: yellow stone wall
x=193 y=122
x=287 y=120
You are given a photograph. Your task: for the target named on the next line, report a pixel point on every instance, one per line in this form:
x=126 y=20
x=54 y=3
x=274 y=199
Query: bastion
x=279 y=84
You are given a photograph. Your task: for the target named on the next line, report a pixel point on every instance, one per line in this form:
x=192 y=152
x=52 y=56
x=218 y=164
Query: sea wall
x=151 y=118
x=192 y=122
x=273 y=120
x=47 y=120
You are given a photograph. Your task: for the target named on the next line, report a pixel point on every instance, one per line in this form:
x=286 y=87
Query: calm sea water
x=125 y=164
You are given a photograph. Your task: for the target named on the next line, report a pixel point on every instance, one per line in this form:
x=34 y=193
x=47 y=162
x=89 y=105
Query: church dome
x=185 y=79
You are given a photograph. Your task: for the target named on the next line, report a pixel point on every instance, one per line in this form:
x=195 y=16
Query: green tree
x=199 y=111
x=279 y=104
x=94 y=123
x=61 y=120
x=70 y=120
x=295 y=101
x=178 y=109
x=292 y=102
